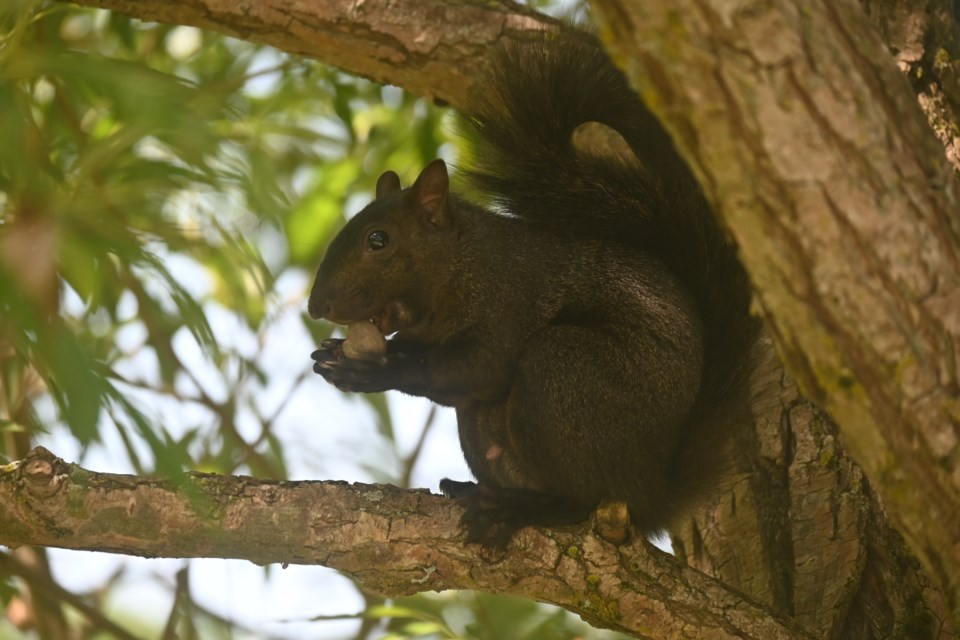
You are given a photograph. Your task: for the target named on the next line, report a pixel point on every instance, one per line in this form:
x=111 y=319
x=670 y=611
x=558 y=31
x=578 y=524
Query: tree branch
x=432 y=48
x=393 y=541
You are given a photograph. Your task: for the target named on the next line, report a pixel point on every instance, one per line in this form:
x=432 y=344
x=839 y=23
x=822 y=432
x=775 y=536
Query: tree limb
x=432 y=48
x=393 y=541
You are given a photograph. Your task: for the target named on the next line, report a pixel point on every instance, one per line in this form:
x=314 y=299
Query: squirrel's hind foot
x=494 y=514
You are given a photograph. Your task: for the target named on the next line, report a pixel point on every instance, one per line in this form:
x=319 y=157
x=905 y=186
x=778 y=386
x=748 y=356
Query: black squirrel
x=592 y=332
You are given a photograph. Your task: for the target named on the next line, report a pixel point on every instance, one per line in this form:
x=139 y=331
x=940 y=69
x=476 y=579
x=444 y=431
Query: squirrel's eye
x=377 y=240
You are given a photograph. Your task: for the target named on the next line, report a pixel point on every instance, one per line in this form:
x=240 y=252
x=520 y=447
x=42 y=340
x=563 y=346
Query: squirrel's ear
x=388 y=183
x=430 y=193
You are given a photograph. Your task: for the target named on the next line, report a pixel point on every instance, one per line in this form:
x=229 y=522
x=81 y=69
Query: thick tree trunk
x=923 y=37
x=812 y=147
x=803 y=532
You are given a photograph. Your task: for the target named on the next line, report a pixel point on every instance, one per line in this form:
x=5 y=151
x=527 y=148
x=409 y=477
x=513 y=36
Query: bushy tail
x=525 y=160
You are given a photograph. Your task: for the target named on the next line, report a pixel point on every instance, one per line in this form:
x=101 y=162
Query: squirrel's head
x=380 y=265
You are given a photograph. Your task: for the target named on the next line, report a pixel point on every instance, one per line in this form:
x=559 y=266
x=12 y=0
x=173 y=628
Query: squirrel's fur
x=593 y=332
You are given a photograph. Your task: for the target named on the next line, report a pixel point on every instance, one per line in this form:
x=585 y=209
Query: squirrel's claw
x=325 y=359
x=350 y=374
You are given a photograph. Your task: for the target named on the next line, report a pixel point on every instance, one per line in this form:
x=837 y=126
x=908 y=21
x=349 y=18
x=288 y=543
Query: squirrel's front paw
x=350 y=374
x=325 y=358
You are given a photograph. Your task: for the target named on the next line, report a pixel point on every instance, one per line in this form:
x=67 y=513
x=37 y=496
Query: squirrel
x=590 y=325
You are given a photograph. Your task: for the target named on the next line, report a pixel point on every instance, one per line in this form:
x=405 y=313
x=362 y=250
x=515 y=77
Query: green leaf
x=9 y=426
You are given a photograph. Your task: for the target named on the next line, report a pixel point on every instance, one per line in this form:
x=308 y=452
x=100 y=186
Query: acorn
x=364 y=342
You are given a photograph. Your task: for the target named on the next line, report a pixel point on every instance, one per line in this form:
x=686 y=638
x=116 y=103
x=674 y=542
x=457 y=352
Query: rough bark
x=923 y=37
x=803 y=532
x=392 y=541
x=433 y=48
x=812 y=147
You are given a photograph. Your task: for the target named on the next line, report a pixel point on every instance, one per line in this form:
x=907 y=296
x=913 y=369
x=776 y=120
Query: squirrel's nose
x=318 y=306
x=316 y=310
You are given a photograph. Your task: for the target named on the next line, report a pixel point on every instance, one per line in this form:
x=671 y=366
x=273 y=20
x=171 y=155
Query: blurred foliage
x=127 y=148
x=160 y=190
x=481 y=616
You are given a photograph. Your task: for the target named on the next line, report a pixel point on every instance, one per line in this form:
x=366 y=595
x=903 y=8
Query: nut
x=364 y=342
